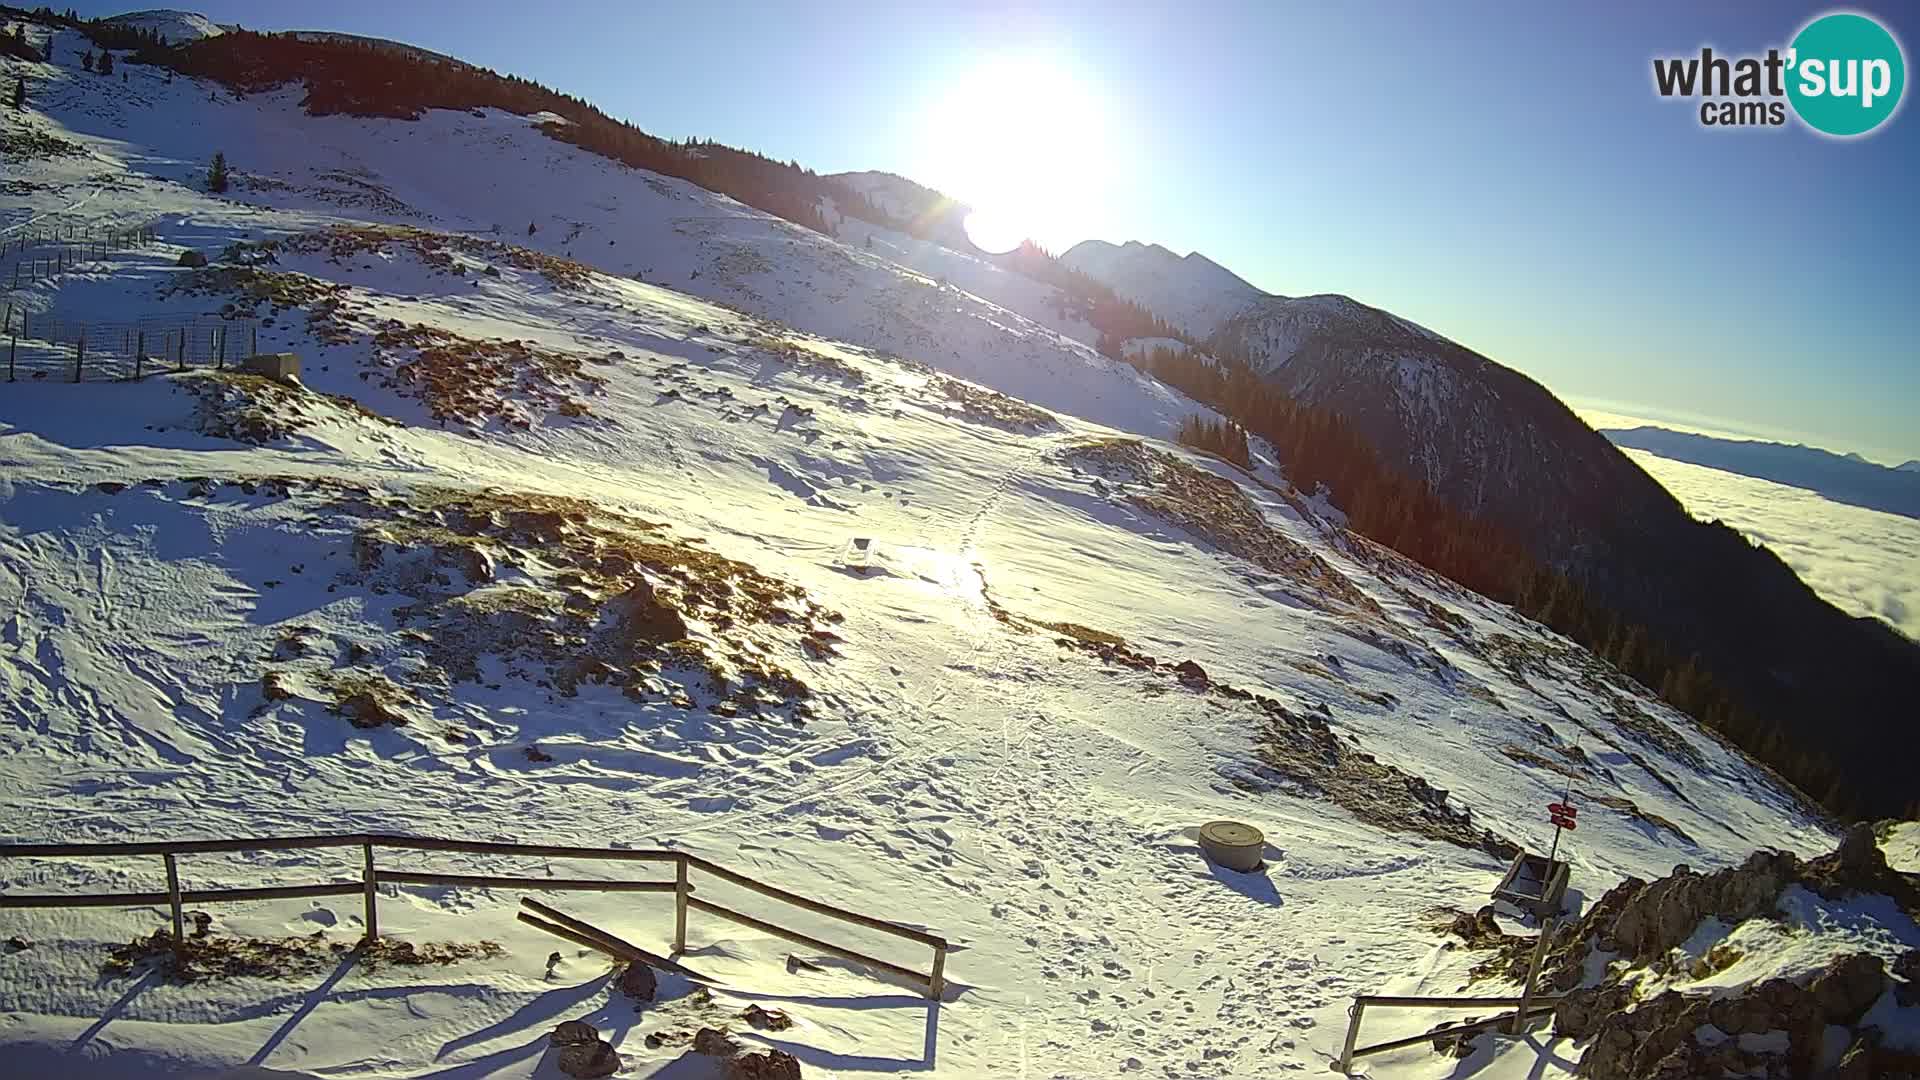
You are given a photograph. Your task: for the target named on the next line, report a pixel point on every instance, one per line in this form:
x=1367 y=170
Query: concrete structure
x=284 y=366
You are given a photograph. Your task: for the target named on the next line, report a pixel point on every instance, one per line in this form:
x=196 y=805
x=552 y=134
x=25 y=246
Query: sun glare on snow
x=1020 y=138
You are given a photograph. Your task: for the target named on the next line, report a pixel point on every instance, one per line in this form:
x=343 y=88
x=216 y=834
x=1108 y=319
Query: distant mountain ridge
x=1192 y=292
x=1496 y=446
x=1847 y=478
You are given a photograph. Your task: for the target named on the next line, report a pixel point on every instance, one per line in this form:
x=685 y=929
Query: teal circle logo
x=1846 y=73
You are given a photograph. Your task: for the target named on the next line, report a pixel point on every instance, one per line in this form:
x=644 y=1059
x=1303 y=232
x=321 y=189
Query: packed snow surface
x=892 y=472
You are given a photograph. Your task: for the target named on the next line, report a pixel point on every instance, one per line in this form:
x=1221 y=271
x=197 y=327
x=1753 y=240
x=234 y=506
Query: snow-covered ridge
x=1193 y=293
x=178 y=27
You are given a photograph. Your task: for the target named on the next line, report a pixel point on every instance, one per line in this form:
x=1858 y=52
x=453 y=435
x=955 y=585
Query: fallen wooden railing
x=682 y=887
x=1526 y=1008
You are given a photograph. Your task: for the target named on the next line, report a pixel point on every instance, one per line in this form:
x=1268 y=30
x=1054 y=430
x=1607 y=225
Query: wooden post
x=173 y=897
x=1354 y=1012
x=680 y=905
x=1533 y=973
x=139 y=352
x=221 y=347
x=373 y=910
x=253 y=339
x=181 y=358
x=13 y=347
x=79 y=354
x=939 y=981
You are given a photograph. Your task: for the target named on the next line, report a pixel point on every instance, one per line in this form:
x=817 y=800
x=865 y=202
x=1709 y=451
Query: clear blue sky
x=1502 y=173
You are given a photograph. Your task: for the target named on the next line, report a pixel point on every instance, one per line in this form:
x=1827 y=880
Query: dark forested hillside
x=364 y=77
x=1482 y=474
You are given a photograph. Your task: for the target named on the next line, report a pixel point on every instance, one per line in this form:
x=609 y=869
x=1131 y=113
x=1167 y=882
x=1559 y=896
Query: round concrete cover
x=1232 y=844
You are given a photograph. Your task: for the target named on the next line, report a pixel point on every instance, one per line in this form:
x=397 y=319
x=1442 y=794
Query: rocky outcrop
x=1694 y=1035
x=638 y=982
x=714 y=1043
x=766 y=1065
x=1642 y=922
x=582 y=1052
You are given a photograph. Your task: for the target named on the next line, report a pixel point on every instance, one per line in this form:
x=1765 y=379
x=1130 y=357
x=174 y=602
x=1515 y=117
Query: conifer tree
x=87 y=60
x=20 y=92
x=217 y=172
x=105 y=64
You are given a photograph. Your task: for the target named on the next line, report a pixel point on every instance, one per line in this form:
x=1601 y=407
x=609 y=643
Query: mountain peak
x=1192 y=291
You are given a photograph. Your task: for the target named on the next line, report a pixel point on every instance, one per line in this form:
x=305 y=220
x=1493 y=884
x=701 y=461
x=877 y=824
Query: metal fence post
x=173 y=897
x=373 y=910
x=1353 y=1033
x=680 y=904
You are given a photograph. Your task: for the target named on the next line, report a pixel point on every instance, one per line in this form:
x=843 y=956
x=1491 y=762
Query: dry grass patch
x=473 y=381
x=204 y=958
x=575 y=593
x=254 y=409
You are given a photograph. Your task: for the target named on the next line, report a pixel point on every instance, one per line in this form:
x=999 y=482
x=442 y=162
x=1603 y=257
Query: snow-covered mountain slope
x=1192 y=292
x=787 y=555
x=177 y=27
x=926 y=213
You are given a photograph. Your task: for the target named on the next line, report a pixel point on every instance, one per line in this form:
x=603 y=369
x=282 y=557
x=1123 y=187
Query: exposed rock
x=573 y=1033
x=273 y=687
x=766 y=1065
x=644 y=617
x=18 y=943
x=766 y=1019
x=1908 y=967
x=589 y=1059
x=202 y=923
x=1848 y=987
x=638 y=982
x=714 y=1043
x=1856 y=1062
x=534 y=753
x=1455 y=1044
x=1192 y=674
x=1860 y=852
x=365 y=710
x=191 y=258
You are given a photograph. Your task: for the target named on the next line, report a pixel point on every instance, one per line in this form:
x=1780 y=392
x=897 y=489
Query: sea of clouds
x=1862 y=561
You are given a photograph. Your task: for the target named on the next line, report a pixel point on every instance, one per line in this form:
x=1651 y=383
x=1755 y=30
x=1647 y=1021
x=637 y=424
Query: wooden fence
x=682 y=887
x=67 y=350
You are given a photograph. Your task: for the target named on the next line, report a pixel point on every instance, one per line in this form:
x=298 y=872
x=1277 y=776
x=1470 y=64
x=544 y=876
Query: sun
x=1020 y=139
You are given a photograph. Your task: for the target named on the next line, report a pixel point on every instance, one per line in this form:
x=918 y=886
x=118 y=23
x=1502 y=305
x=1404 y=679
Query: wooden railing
x=1525 y=1009
x=682 y=887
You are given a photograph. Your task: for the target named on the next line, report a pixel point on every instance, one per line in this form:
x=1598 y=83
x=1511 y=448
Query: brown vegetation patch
x=594 y=596
x=254 y=409
x=435 y=250
x=1299 y=754
x=473 y=381
x=25 y=143
x=983 y=406
x=809 y=361
x=201 y=958
x=1557 y=661
x=1214 y=509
